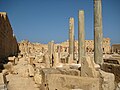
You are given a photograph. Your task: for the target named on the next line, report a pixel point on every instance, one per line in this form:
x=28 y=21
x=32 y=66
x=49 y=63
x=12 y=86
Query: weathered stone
x=107 y=82
x=56 y=59
x=116 y=48
x=5 y=72
x=76 y=89
x=75 y=66
x=8 y=42
x=9 y=67
x=51 y=51
x=71 y=39
x=87 y=68
x=81 y=36
x=73 y=72
x=98 y=35
x=89 y=47
x=3 y=82
x=31 y=60
x=38 y=79
x=23 y=72
x=47 y=60
x=39 y=59
x=111 y=66
x=66 y=82
x=64 y=71
x=16 y=61
x=11 y=59
x=118 y=86
x=19 y=56
x=31 y=70
x=70 y=59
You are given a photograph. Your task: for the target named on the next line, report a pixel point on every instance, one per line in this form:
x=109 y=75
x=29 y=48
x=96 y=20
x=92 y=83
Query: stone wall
x=67 y=82
x=27 y=47
x=113 y=68
x=116 y=48
x=89 y=46
x=8 y=42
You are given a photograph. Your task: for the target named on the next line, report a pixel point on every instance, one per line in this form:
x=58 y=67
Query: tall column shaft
x=98 y=35
x=81 y=36
x=71 y=38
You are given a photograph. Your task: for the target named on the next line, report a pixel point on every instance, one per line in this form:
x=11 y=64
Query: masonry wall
x=89 y=46
x=8 y=42
x=116 y=48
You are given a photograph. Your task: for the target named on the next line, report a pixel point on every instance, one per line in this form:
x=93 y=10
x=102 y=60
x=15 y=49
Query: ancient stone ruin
x=7 y=37
x=70 y=65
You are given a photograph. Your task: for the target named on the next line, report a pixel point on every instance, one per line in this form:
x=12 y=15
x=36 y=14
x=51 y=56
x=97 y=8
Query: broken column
x=71 y=39
x=51 y=51
x=58 y=53
x=51 y=48
x=81 y=36
x=56 y=59
x=47 y=60
x=98 y=35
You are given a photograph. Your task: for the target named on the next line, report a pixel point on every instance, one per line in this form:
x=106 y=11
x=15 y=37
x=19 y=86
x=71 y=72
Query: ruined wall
x=116 y=48
x=113 y=68
x=27 y=47
x=8 y=42
x=89 y=46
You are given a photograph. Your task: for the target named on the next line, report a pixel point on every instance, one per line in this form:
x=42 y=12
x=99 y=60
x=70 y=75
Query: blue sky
x=46 y=20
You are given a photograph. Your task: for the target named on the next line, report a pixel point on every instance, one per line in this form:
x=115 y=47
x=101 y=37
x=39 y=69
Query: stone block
x=23 y=72
x=3 y=82
x=38 y=79
x=16 y=61
x=107 y=80
x=87 y=67
x=8 y=66
x=118 y=86
x=67 y=82
x=31 y=70
x=11 y=59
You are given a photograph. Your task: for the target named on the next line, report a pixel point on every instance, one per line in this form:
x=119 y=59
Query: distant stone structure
x=116 y=48
x=8 y=42
x=26 y=47
x=89 y=46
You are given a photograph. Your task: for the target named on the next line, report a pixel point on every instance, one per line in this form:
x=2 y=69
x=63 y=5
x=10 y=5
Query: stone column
x=81 y=36
x=51 y=51
x=71 y=39
x=59 y=54
x=47 y=60
x=56 y=60
x=51 y=48
x=98 y=35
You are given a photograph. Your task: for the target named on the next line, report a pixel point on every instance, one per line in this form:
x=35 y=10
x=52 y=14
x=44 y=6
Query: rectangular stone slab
x=66 y=82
